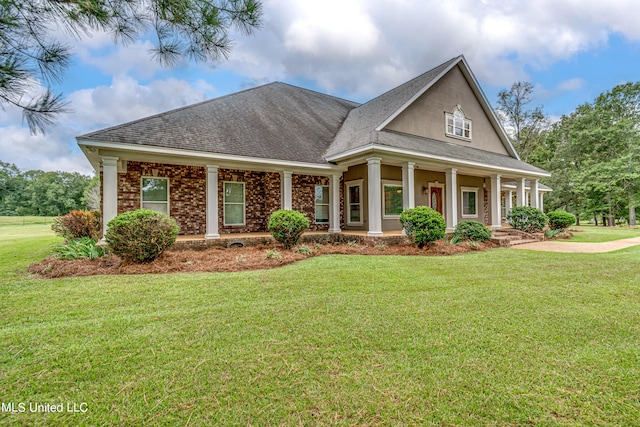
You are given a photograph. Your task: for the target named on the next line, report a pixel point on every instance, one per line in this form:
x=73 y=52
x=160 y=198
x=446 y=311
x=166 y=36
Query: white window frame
x=458 y=114
x=389 y=183
x=224 y=204
x=468 y=190
x=355 y=183
x=142 y=202
x=316 y=204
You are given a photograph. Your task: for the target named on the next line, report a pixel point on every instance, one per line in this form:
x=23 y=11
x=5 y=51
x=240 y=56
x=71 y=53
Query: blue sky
x=570 y=50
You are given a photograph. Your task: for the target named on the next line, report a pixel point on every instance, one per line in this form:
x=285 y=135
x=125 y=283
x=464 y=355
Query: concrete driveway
x=564 y=246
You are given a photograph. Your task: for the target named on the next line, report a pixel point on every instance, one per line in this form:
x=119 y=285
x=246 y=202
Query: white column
x=375 y=197
x=496 y=202
x=109 y=190
x=287 y=192
x=520 y=196
x=534 y=193
x=541 y=203
x=212 y=203
x=334 y=204
x=451 y=198
x=408 y=186
x=509 y=197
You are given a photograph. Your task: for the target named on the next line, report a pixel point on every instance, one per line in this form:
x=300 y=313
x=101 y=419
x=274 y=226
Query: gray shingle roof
x=361 y=121
x=274 y=121
x=432 y=147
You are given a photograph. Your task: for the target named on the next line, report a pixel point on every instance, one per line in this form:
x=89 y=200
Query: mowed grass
x=496 y=338
x=595 y=234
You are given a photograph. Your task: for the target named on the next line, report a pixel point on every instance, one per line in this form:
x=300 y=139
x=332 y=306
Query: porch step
x=510 y=237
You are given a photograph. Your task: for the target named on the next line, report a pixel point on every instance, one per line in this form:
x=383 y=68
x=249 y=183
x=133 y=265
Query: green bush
x=527 y=219
x=287 y=226
x=559 y=220
x=84 y=247
x=423 y=225
x=141 y=235
x=78 y=224
x=472 y=230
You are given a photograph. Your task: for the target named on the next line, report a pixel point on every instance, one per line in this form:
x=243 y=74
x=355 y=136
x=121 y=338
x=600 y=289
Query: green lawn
x=603 y=234
x=498 y=338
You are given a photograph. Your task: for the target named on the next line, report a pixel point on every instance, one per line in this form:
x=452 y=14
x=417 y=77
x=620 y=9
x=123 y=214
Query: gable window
x=457 y=125
x=322 y=204
x=392 y=200
x=354 y=202
x=234 y=204
x=155 y=194
x=469 y=202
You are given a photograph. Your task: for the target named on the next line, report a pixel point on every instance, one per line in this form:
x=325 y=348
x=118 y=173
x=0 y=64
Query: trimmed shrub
x=527 y=219
x=287 y=226
x=141 y=235
x=78 y=224
x=559 y=220
x=423 y=225
x=472 y=230
x=84 y=247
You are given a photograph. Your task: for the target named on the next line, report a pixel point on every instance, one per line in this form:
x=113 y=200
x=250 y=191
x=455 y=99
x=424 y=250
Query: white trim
x=417 y=95
x=316 y=204
x=203 y=155
x=168 y=192
x=446 y=160
x=468 y=190
x=387 y=182
x=444 y=196
x=224 y=204
x=347 y=198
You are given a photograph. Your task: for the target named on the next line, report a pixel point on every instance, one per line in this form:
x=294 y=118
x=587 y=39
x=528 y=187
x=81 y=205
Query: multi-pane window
x=354 y=200
x=155 y=194
x=392 y=200
x=234 y=204
x=469 y=202
x=322 y=203
x=457 y=124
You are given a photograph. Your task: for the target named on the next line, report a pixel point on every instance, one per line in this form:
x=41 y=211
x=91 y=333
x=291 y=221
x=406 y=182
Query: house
x=224 y=165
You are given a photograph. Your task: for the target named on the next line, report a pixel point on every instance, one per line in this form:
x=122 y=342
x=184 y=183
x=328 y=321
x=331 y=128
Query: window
x=234 y=203
x=457 y=125
x=469 y=202
x=155 y=194
x=392 y=200
x=322 y=204
x=354 y=200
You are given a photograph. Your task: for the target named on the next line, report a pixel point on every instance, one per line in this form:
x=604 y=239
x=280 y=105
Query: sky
x=570 y=50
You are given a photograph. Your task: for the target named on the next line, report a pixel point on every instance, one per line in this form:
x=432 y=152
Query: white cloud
x=571 y=85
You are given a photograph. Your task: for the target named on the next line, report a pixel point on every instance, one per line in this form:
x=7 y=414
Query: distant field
x=25 y=220
x=594 y=234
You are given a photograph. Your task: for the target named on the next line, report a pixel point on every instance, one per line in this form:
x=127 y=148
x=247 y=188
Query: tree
x=524 y=125
x=29 y=53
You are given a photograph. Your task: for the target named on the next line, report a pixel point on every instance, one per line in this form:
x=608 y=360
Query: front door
x=435 y=198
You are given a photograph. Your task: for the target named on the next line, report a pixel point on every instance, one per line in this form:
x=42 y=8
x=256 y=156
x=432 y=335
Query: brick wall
x=187 y=195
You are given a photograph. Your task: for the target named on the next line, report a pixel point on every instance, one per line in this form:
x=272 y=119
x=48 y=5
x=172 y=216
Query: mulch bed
x=230 y=259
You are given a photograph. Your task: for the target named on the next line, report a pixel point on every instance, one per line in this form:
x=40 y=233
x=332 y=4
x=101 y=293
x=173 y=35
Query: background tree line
x=41 y=193
x=593 y=153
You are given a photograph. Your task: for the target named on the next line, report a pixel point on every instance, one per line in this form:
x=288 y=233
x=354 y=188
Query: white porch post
x=212 y=203
x=496 y=202
x=520 y=199
x=109 y=190
x=334 y=204
x=287 y=192
x=541 y=203
x=375 y=196
x=408 y=186
x=509 y=197
x=534 y=193
x=451 y=198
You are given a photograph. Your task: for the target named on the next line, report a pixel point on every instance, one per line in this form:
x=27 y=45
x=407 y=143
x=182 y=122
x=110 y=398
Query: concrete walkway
x=560 y=246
